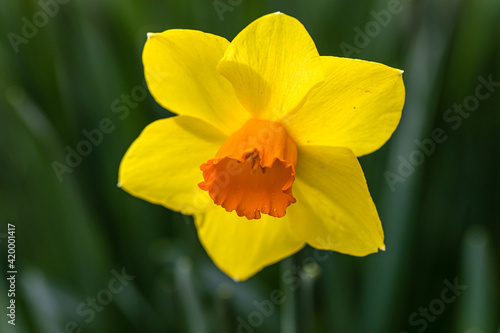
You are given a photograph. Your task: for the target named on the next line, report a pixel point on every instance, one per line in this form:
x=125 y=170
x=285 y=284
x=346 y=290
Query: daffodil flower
x=263 y=149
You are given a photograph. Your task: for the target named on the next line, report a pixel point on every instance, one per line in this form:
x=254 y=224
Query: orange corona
x=253 y=171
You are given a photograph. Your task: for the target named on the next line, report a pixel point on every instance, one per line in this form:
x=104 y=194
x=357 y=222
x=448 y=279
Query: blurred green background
x=91 y=258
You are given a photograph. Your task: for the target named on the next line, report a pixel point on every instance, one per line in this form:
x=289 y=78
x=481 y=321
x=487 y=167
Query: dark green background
x=441 y=224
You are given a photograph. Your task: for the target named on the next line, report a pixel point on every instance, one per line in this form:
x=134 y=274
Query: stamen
x=255 y=159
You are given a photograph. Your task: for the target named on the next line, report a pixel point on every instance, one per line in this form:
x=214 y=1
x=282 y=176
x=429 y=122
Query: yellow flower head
x=263 y=148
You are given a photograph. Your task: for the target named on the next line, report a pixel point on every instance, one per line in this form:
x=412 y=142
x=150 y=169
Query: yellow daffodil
x=263 y=150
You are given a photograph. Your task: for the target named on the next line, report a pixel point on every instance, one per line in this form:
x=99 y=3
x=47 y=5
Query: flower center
x=253 y=171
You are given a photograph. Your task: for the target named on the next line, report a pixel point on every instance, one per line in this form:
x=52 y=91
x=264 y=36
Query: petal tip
x=401 y=72
x=150 y=34
x=119 y=184
x=382 y=248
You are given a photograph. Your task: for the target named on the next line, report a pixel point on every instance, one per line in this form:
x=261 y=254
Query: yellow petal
x=334 y=210
x=358 y=106
x=241 y=248
x=180 y=69
x=272 y=64
x=162 y=166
